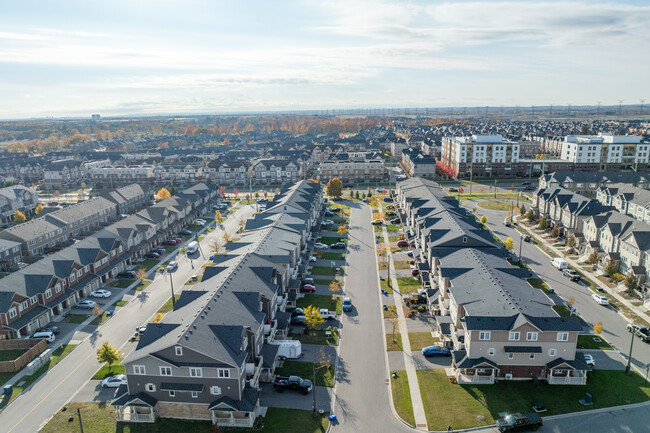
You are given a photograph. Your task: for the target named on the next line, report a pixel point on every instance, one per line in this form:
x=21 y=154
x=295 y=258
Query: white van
x=47 y=335
x=288 y=349
x=192 y=247
x=559 y=263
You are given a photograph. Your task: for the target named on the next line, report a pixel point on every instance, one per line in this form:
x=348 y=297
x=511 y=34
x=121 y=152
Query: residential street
x=361 y=388
x=47 y=396
x=613 y=323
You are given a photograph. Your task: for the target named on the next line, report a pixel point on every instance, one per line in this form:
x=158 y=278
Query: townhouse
x=10 y=255
x=588 y=182
x=626 y=199
x=63 y=174
x=121 y=175
x=205 y=360
x=276 y=171
x=354 y=167
x=231 y=172
x=497 y=325
x=181 y=173
x=17 y=198
x=417 y=163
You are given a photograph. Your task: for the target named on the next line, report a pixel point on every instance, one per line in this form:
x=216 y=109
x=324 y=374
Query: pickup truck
x=294 y=383
x=326 y=314
x=519 y=422
x=643 y=333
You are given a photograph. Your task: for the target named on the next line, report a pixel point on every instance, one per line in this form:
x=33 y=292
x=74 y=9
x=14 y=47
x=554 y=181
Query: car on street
x=453 y=189
x=307 y=288
x=402 y=244
x=633 y=327
x=347 y=304
x=338 y=245
x=320 y=246
x=525 y=238
x=589 y=359
x=377 y=222
x=152 y=255
x=126 y=274
x=519 y=422
x=185 y=232
x=86 y=303
x=529 y=188
x=380 y=189
x=172 y=266
x=526 y=183
x=101 y=293
x=307 y=280
x=571 y=274
x=506 y=223
x=312 y=259
x=436 y=351
x=600 y=299
x=114 y=381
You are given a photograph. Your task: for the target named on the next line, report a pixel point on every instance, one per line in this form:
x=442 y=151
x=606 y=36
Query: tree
x=141 y=274
x=226 y=238
x=313 y=319
x=217 y=247
x=108 y=354
x=543 y=223
x=631 y=283
x=593 y=258
x=217 y=216
x=530 y=215
x=38 y=209
x=356 y=194
x=571 y=242
x=158 y=318
x=334 y=187
x=342 y=230
x=19 y=217
x=483 y=219
x=522 y=210
x=162 y=194
x=508 y=243
x=571 y=301
x=598 y=327
x=611 y=268
x=555 y=233
x=393 y=324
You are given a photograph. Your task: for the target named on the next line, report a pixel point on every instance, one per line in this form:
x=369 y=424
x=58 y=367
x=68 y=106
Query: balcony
x=253 y=371
x=270 y=330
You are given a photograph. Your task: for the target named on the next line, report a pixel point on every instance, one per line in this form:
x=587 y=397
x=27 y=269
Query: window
x=531 y=356
x=139 y=369
x=562 y=336
x=196 y=372
x=48 y=293
x=531 y=336
x=491 y=351
x=484 y=335
x=172 y=393
x=72 y=277
x=223 y=373
x=464 y=239
x=215 y=390
x=151 y=387
x=165 y=371
x=33 y=300
x=513 y=336
x=12 y=313
x=511 y=355
x=179 y=350
x=195 y=394
x=25 y=305
x=551 y=352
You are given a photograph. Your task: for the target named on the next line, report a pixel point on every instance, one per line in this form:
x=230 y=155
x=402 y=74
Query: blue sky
x=61 y=58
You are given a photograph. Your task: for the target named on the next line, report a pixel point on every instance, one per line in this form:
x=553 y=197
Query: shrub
x=422 y=309
x=619 y=277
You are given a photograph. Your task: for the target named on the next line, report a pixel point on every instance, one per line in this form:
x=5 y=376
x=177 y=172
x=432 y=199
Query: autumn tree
x=334 y=187
x=631 y=283
x=593 y=258
x=598 y=327
x=141 y=274
x=555 y=233
x=217 y=247
x=393 y=325
x=571 y=301
x=543 y=223
x=342 y=230
x=217 y=216
x=611 y=268
x=571 y=242
x=108 y=354
x=162 y=194
x=38 y=209
x=508 y=243
x=158 y=318
x=483 y=219
x=19 y=217
x=226 y=238
x=313 y=319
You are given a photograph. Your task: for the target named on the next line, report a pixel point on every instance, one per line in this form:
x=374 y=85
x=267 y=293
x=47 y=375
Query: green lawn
x=76 y=318
x=102 y=373
x=538 y=283
x=324 y=376
x=122 y=284
x=377 y=229
x=99 y=320
x=329 y=240
x=340 y=205
x=57 y=355
x=393 y=238
x=320 y=301
x=390 y=312
x=402 y=397
x=401 y=264
x=100 y=418
x=323 y=270
x=419 y=340
x=120 y=303
x=330 y=256
x=146 y=264
x=476 y=405
x=142 y=284
x=393 y=342
x=495 y=205
x=408 y=284
x=586 y=341
x=167 y=306
x=318 y=337
x=384 y=286
x=393 y=228
x=326 y=282
x=10 y=355
x=562 y=310
x=191 y=281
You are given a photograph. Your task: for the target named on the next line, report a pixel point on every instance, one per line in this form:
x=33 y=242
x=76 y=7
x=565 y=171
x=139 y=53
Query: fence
x=33 y=347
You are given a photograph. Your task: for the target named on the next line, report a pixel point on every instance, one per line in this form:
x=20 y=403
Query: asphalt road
x=614 y=324
x=50 y=393
x=361 y=389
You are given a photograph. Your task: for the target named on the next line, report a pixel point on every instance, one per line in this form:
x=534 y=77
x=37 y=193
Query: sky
x=73 y=58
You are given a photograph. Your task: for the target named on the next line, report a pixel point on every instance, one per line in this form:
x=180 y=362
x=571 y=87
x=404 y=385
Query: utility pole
x=568 y=110
x=171 y=283
x=551 y=111
x=620 y=107
x=598 y=109
x=521 y=242
x=629 y=357
x=642 y=102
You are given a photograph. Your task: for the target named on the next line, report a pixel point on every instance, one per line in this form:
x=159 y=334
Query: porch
x=135 y=414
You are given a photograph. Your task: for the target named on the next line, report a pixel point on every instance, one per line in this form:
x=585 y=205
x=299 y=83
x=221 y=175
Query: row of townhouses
x=17 y=198
x=589 y=182
x=206 y=358
x=497 y=325
x=353 y=167
x=418 y=164
x=34 y=295
x=62 y=174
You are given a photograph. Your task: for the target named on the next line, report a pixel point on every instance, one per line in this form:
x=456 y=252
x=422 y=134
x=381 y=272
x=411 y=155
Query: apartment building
x=498 y=326
x=355 y=167
x=606 y=152
x=17 y=197
x=481 y=155
x=626 y=199
x=205 y=360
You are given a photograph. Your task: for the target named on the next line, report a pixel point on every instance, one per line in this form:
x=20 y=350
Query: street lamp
x=171 y=283
x=521 y=242
x=71 y=419
x=629 y=357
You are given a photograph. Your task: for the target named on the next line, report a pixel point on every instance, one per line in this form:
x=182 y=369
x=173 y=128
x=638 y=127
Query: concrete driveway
x=310 y=353
x=296 y=400
x=606 y=359
x=93 y=391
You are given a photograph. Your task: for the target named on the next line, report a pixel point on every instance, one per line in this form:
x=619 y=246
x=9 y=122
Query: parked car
x=307 y=288
x=178 y=241
x=453 y=189
x=152 y=255
x=328 y=213
x=326 y=314
x=436 y=351
x=126 y=274
x=308 y=280
x=327 y=222
x=571 y=274
x=185 y=232
x=525 y=238
x=388 y=200
x=297 y=312
x=506 y=223
x=101 y=293
x=53 y=203
x=338 y=245
x=415 y=272
x=86 y=303
x=633 y=327
x=377 y=222
x=199 y=223
x=589 y=360
x=172 y=266
x=390 y=207
x=169 y=242
x=298 y=320
x=395 y=221
x=114 y=381
x=294 y=383
x=409 y=253
x=336 y=209
x=312 y=259
x=600 y=299
x=529 y=188
x=519 y=422
x=347 y=304
x=320 y=246
x=47 y=335
x=160 y=250
x=51 y=328
x=390 y=214
x=402 y=244
x=643 y=333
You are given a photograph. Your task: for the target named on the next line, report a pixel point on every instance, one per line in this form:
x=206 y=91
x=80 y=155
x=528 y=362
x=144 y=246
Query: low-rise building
x=627 y=199
x=355 y=167
x=17 y=198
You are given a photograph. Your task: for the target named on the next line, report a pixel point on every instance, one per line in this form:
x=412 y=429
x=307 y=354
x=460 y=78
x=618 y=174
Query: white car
x=589 y=360
x=87 y=303
x=327 y=222
x=114 y=381
x=199 y=222
x=312 y=258
x=321 y=246
x=600 y=299
x=101 y=293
